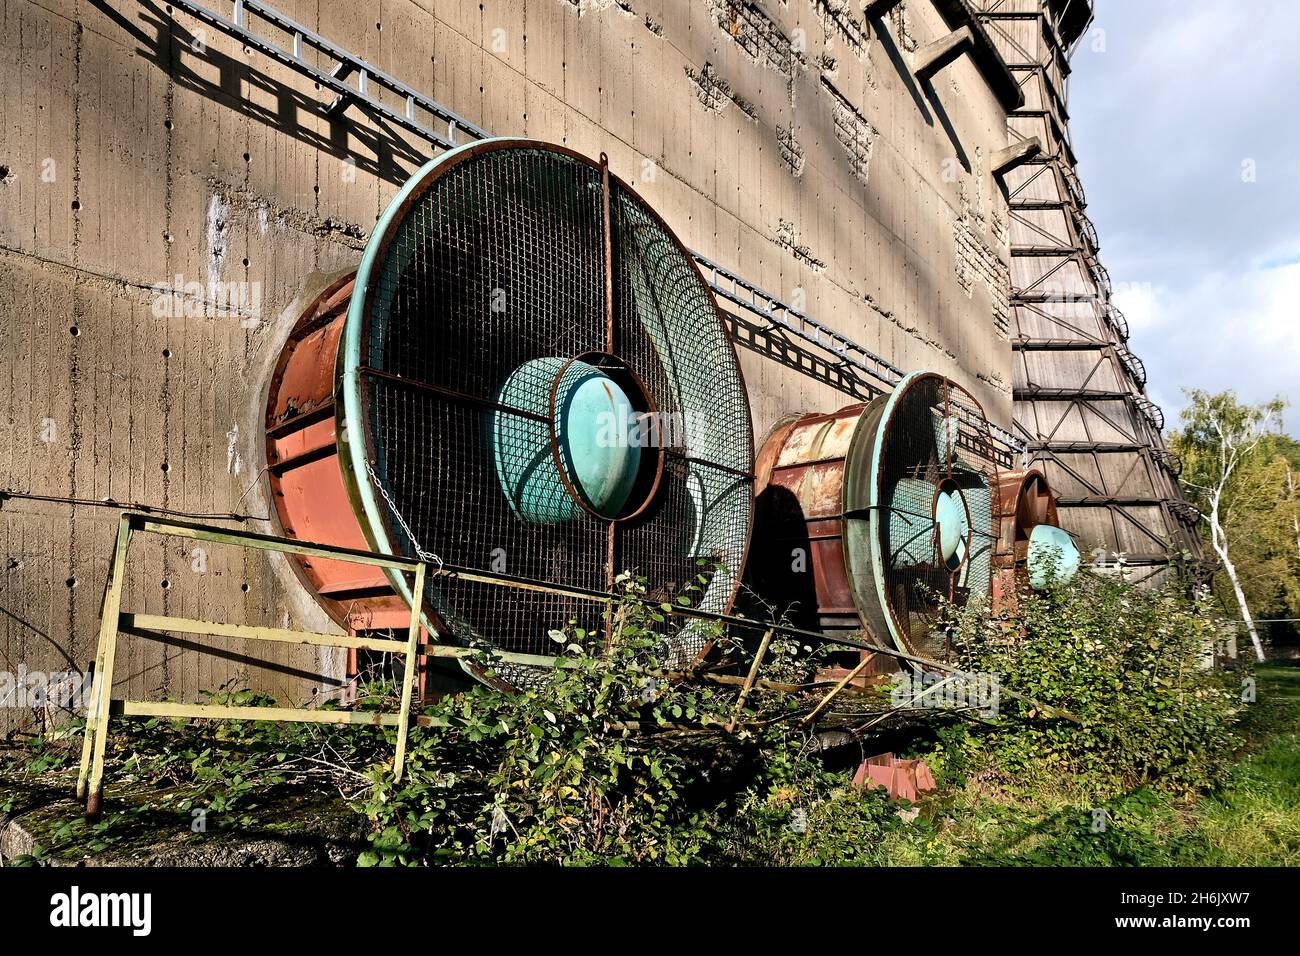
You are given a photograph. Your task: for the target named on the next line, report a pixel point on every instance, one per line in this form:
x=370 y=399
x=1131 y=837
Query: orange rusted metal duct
x=308 y=489
x=1025 y=501
x=874 y=518
x=801 y=564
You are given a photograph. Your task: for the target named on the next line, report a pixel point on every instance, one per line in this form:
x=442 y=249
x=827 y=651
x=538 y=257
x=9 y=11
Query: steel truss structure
x=1079 y=391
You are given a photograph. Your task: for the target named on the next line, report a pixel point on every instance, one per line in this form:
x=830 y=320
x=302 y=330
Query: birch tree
x=1221 y=438
x=1293 y=497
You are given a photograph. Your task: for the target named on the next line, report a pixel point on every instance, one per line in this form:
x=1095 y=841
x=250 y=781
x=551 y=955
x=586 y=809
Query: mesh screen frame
x=901 y=438
x=525 y=221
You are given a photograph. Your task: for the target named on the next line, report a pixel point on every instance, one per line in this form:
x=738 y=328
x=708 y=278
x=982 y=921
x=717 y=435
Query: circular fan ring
x=919 y=510
x=535 y=381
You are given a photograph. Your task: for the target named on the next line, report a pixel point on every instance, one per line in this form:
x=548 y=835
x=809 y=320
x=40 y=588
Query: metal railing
x=1087 y=230
x=1118 y=322
x=884 y=375
x=1169 y=461
x=1151 y=411
x=1101 y=276
x=1132 y=364
x=102 y=705
x=1072 y=184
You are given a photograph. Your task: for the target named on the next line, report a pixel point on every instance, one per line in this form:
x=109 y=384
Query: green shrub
x=607 y=760
x=562 y=773
x=1128 y=663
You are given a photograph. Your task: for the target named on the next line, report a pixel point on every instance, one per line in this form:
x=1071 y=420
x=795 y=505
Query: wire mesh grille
x=492 y=279
x=934 y=446
x=667 y=327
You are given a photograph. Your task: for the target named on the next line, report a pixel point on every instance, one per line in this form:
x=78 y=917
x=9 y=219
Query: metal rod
x=101 y=689
x=408 y=673
x=834 y=691
x=104 y=668
x=266 y=542
x=128 y=506
x=154 y=622
x=453 y=394
x=750 y=678
x=301 y=715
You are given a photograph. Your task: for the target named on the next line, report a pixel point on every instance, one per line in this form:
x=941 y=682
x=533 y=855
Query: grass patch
x=1252 y=818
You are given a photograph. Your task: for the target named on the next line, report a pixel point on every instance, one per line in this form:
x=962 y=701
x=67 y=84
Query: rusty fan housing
x=869 y=517
x=1026 y=503
x=528 y=376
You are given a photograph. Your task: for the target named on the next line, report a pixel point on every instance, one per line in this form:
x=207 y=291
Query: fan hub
x=1053 y=556
x=575 y=446
x=952 y=522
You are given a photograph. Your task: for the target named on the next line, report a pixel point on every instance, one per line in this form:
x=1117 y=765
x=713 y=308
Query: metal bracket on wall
x=90 y=777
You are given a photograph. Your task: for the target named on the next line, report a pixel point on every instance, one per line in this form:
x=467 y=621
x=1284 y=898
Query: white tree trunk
x=1295 y=522
x=1220 y=542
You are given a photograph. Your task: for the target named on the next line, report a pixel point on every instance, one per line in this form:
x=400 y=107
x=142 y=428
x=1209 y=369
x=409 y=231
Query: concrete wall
x=785 y=139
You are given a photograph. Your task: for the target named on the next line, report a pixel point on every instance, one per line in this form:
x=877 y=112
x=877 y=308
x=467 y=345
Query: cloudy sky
x=1184 y=116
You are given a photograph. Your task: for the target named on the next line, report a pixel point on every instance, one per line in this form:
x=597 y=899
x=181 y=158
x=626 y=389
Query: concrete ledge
x=934 y=56
x=958 y=14
x=1017 y=154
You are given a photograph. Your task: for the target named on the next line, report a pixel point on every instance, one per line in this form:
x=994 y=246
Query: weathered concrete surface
x=292 y=827
x=787 y=140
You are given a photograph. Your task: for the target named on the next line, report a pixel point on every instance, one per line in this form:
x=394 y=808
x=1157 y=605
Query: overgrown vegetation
x=610 y=761
x=1132 y=665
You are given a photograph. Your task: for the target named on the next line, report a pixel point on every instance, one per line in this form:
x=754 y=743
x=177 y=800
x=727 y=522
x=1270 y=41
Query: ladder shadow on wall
x=170 y=47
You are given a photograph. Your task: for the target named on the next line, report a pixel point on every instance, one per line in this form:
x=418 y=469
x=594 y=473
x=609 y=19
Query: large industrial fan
x=892 y=504
x=1031 y=547
x=532 y=379
x=922 y=514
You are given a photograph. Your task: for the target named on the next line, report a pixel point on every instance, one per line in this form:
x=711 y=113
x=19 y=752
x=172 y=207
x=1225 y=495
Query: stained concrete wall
x=786 y=139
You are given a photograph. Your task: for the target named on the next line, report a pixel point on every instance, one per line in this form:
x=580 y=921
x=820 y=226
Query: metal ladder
x=370 y=81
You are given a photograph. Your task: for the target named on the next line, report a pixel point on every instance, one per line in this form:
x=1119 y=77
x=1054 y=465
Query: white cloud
x=1162 y=121
x=1140 y=302
x=1275 y=315
x=1228 y=330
